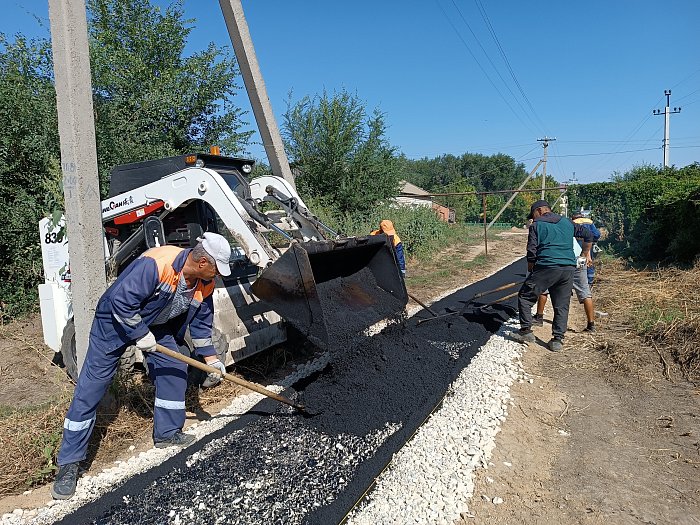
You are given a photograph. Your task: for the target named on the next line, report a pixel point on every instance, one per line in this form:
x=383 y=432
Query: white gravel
x=430 y=480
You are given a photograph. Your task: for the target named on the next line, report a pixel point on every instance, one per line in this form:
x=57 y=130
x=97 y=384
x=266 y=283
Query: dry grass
x=659 y=307
x=30 y=438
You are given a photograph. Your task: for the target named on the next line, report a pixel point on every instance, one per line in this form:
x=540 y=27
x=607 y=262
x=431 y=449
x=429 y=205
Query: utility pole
x=81 y=187
x=255 y=86
x=667 y=115
x=545 y=144
x=515 y=194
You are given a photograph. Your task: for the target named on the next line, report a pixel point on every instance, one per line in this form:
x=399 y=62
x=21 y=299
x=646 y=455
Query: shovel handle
x=488 y=292
x=242 y=382
x=425 y=307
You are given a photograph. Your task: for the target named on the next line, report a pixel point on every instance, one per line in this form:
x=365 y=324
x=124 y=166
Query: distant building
x=412 y=195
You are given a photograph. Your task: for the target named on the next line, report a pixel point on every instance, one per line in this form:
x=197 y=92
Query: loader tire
x=68 y=351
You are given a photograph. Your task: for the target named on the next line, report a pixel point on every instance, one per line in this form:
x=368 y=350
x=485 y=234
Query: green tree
x=150 y=100
x=340 y=151
x=29 y=174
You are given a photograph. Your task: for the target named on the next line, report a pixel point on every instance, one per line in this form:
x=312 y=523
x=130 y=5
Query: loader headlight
x=199 y=163
x=246 y=168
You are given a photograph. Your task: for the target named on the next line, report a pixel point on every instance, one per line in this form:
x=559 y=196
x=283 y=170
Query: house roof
x=408 y=189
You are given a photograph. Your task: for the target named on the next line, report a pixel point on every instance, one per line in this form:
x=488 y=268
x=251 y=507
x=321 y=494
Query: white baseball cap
x=218 y=247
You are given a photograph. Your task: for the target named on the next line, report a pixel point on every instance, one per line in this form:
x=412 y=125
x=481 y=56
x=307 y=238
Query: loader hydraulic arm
x=279 y=191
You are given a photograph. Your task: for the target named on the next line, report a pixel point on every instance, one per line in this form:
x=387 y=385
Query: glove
x=147 y=343
x=213 y=378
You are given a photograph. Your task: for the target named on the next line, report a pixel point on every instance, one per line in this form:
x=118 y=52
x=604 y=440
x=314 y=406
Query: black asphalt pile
x=350 y=305
x=272 y=466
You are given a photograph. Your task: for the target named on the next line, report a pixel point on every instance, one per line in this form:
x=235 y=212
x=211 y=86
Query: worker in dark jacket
x=387 y=227
x=154 y=300
x=551 y=263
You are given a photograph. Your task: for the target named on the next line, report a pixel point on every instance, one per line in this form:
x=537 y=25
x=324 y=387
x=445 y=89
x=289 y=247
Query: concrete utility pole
x=667 y=114
x=81 y=187
x=255 y=86
x=545 y=144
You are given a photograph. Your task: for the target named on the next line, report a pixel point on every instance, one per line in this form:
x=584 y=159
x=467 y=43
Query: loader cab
x=183 y=226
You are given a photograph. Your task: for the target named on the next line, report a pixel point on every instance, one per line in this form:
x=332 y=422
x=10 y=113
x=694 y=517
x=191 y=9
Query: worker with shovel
x=153 y=302
x=387 y=227
x=551 y=263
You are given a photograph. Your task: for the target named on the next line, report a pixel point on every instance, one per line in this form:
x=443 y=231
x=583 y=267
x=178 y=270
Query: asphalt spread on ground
x=272 y=465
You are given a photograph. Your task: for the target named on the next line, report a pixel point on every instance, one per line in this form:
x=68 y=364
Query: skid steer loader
x=281 y=255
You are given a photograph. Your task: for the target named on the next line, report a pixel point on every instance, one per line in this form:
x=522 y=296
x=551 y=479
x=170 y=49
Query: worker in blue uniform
x=587 y=223
x=154 y=300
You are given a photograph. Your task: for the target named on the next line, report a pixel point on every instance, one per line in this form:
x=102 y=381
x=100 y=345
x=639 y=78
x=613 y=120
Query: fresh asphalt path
x=273 y=466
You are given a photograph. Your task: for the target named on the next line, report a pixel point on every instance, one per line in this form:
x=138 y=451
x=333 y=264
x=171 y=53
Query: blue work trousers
x=169 y=375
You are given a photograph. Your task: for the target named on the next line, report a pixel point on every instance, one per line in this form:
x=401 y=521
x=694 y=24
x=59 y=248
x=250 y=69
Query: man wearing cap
x=154 y=300
x=579 y=218
x=551 y=263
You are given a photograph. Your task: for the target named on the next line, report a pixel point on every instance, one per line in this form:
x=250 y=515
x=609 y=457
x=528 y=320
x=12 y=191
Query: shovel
x=242 y=382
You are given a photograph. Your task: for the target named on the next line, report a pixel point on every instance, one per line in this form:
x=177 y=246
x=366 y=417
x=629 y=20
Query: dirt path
x=587 y=443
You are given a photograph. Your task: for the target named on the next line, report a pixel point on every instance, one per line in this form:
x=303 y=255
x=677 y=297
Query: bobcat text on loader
x=275 y=241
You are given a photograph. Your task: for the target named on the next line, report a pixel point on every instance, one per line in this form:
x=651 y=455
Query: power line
x=481 y=67
x=459 y=11
x=487 y=21
x=602 y=153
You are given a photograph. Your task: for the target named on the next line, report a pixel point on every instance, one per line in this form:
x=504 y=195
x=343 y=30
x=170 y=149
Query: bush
x=421 y=232
x=650 y=213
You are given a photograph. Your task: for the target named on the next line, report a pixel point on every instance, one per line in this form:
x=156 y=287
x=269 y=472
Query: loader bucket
x=329 y=289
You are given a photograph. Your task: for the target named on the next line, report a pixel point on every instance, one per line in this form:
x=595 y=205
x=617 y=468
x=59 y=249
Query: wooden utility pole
x=81 y=187
x=255 y=86
x=545 y=144
x=515 y=193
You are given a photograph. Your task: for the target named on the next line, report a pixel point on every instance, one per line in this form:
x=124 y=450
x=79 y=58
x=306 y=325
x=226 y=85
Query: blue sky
x=588 y=73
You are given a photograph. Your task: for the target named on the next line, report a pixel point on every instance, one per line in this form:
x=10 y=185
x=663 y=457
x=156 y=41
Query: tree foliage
x=29 y=174
x=150 y=99
x=651 y=213
x=476 y=172
x=340 y=152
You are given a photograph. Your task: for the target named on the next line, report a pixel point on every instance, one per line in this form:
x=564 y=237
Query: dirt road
x=588 y=443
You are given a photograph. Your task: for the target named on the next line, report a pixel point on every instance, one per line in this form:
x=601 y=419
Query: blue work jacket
x=141 y=292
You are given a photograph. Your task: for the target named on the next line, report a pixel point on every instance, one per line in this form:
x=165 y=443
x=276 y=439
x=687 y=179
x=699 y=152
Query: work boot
x=590 y=328
x=523 y=336
x=538 y=320
x=178 y=439
x=556 y=345
x=65 y=482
